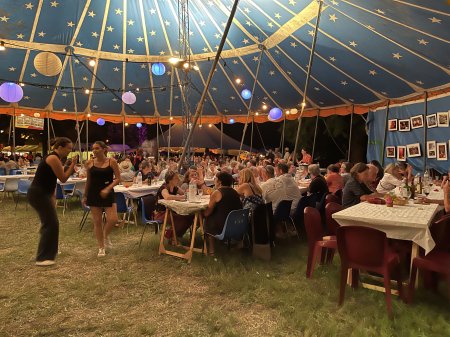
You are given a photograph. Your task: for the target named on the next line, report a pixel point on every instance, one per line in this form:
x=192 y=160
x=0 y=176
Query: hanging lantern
x=275 y=113
x=158 y=69
x=47 y=64
x=231 y=120
x=128 y=97
x=100 y=121
x=246 y=94
x=11 y=92
x=139 y=125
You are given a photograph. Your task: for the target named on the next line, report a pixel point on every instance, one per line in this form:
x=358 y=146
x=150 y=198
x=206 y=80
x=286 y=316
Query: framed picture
x=401 y=153
x=413 y=150
x=441 y=150
x=442 y=119
x=432 y=121
x=392 y=125
x=403 y=125
x=390 y=151
x=417 y=122
x=431 y=149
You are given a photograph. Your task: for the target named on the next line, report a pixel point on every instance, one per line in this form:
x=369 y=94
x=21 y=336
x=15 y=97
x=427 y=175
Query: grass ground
x=135 y=292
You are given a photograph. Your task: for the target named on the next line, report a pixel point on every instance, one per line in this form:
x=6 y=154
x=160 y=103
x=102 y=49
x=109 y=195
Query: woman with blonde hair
x=249 y=190
x=392 y=178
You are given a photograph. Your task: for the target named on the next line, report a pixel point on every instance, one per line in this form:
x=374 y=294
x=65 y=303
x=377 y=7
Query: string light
x=238 y=80
x=210 y=125
x=64 y=110
x=22 y=84
x=174 y=60
x=92 y=62
x=2 y=46
x=171 y=118
x=264 y=107
x=186 y=65
x=86 y=91
x=303 y=104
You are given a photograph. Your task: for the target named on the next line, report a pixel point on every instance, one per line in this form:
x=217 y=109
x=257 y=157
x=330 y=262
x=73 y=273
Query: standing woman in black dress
x=41 y=196
x=102 y=175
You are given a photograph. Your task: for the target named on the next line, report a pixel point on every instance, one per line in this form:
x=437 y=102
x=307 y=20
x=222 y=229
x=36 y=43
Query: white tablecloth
x=209 y=181
x=185 y=207
x=409 y=222
x=135 y=191
x=436 y=193
x=16 y=176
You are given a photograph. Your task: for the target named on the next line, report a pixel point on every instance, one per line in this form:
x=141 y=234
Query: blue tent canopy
x=367 y=52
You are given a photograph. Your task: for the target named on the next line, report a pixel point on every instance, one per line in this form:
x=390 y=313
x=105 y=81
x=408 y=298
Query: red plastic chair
x=367 y=249
x=332 y=224
x=438 y=260
x=316 y=242
x=332 y=198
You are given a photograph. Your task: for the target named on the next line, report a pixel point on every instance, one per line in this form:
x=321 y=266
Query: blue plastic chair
x=86 y=210
x=22 y=190
x=148 y=206
x=15 y=172
x=123 y=207
x=236 y=226
x=60 y=195
x=282 y=215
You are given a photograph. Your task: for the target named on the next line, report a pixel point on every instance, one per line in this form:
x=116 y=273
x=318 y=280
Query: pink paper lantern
x=11 y=92
x=128 y=97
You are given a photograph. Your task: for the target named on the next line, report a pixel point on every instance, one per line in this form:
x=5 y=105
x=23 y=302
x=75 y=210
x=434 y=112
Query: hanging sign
x=26 y=122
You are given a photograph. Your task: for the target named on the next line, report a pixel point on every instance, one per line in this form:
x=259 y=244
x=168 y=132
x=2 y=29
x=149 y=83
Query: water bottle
x=139 y=179
x=426 y=177
x=192 y=192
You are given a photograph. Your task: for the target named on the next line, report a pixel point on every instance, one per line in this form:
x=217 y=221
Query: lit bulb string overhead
x=308 y=76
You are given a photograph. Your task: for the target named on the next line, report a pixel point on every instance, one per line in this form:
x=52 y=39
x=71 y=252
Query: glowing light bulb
x=86 y=91
x=264 y=107
x=92 y=63
x=238 y=80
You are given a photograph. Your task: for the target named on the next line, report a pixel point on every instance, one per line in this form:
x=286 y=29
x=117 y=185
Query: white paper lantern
x=128 y=97
x=47 y=64
x=293 y=111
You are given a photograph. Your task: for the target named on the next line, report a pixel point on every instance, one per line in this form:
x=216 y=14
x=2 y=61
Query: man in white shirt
x=284 y=188
x=269 y=183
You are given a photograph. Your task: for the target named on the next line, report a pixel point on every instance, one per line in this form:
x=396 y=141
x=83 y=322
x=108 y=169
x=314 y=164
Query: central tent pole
x=123 y=135
x=251 y=135
x=208 y=82
x=77 y=125
x=13 y=150
x=221 y=137
x=251 y=101
x=282 y=133
x=87 y=136
x=157 y=140
x=308 y=75
x=315 y=134
x=351 y=133
x=386 y=127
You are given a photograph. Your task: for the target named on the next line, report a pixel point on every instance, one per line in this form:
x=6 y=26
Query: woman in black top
x=102 y=175
x=223 y=200
x=41 y=196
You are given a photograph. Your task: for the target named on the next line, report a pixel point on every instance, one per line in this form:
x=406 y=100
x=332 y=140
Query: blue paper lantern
x=158 y=69
x=100 y=121
x=275 y=113
x=11 y=92
x=139 y=125
x=231 y=120
x=246 y=94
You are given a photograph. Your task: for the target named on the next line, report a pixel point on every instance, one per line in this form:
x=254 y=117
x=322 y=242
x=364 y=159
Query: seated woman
x=356 y=189
x=223 y=200
x=249 y=190
x=193 y=175
x=146 y=170
x=392 y=178
x=170 y=191
x=334 y=180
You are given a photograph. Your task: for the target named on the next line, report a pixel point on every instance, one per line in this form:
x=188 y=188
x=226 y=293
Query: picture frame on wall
x=441 y=151
x=392 y=125
x=431 y=149
x=442 y=119
x=413 y=150
x=417 y=122
x=404 y=125
x=432 y=121
x=390 y=151
x=401 y=153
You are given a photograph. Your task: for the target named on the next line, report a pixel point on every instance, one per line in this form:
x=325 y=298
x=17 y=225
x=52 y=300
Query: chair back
x=236 y=225
x=308 y=200
x=338 y=194
x=23 y=186
x=313 y=225
x=361 y=246
x=2 y=171
x=148 y=207
x=69 y=188
x=283 y=210
x=80 y=195
x=332 y=198
x=321 y=198
x=59 y=192
x=440 y=231
x=11 y=185
x=121 y=203
x=262 y=224
x=330 y=209
x=15 y=172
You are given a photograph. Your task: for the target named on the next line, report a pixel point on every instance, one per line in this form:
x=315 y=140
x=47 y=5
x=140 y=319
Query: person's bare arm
x=55 y=163
x=446 y=189
x=370 y=196
x=167 y=196
x=216 y=196
x=88 y=181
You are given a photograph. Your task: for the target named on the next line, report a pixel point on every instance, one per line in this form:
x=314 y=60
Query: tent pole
x=157 y=140
x=208 y=82
x=10 y=130
x=350 y=134
x=77 y=125
x=385 y=132
x=14 y=135
x=170 y=114
x=425 y=134
x=308 y=76
x=221 y=138
x=251 y=134
x=251 y=101
x=282 y=134
x=48 y=132
x=87 y=136
x=123 y=136
x=315 y=134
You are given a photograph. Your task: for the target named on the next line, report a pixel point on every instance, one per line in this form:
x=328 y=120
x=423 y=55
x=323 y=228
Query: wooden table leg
x=163 y=231
x=414 y=254
x=191 y=247
x=174 y=233
x=202 y=231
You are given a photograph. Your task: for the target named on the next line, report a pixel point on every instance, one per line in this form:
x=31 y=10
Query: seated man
x=269 y=181
x=285 y=188
x=356 y=189
x=318 y=183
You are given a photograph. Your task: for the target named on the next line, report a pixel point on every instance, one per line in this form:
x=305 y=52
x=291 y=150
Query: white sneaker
x=108 y=243
x=45 y=263
x=101 y=252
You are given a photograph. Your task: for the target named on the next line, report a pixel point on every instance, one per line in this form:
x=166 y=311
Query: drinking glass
x=200 y=192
